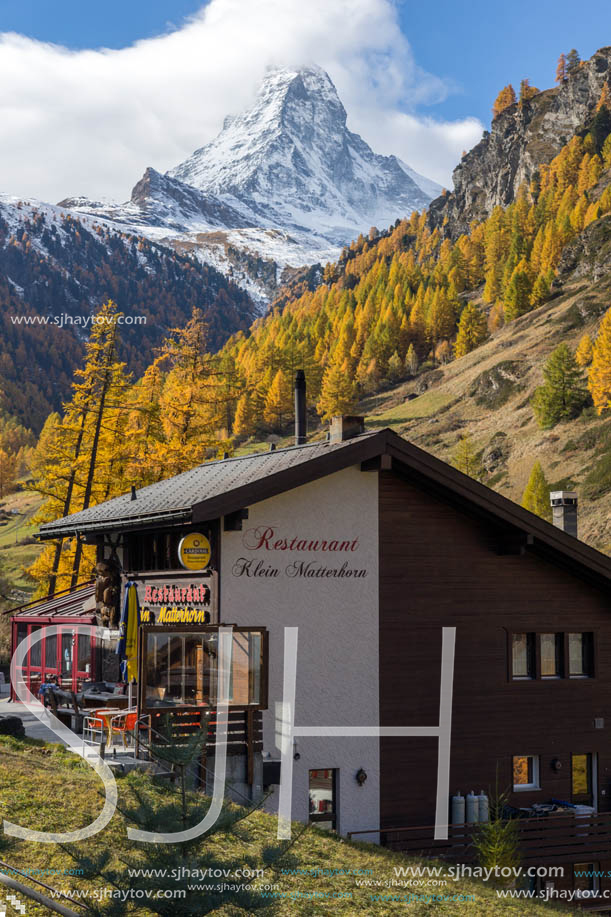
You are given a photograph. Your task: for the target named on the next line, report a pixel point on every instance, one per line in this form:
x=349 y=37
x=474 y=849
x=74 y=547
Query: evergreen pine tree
x=536 y=494
x=563 y=394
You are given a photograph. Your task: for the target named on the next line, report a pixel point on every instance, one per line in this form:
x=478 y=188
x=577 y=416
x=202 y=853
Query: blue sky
x=417 y=79
x=476 y=46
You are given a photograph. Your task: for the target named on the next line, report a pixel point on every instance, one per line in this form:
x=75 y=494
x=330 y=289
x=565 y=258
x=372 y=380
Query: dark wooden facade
x=452 y=553
x=441 y=565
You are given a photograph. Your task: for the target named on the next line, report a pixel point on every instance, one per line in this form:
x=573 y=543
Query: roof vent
x=564 y=510
x=133 y=492
x=346 y=427
x=272 y=447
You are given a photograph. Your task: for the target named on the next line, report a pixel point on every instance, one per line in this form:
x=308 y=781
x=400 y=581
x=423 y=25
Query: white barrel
x=458 y=809
x=483 y=808
x=472 y=807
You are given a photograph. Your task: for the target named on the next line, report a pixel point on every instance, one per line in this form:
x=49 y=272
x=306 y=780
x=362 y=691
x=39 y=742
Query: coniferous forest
x=397 y=303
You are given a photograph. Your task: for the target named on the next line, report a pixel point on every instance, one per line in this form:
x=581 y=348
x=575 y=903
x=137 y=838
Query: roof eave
x=353 y=453
x=113 y=525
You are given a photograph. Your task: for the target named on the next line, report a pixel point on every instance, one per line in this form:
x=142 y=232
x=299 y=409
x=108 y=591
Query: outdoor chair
x=128 y=725
x=95 y=729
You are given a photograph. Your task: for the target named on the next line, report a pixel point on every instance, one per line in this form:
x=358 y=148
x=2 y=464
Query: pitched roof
x=173 y=500
x=218 y=488
x=77 y=604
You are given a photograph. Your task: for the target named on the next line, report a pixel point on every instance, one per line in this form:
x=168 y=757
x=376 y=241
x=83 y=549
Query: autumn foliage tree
x=338 y=395
x=599 y=375
x=527 y=92
x=472 y=330
x=75 y=465
x=561 y=69
x=572 y=61
x=536 y=493
x=584 y=352
x=505 y=98
x=467 y=459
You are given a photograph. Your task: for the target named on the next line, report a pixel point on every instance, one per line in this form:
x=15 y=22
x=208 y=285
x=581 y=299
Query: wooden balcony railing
x=244 y=727
x=552 y=838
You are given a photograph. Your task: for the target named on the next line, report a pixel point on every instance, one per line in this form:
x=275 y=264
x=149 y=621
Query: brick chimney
x=564 y=510
x=346 y=427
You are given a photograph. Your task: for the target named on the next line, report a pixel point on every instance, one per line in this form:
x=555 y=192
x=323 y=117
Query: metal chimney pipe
x=564 y=510
x=300 y=408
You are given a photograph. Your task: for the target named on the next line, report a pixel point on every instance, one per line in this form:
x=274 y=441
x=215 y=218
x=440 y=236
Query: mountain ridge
x=285 y=180
x=523 y=137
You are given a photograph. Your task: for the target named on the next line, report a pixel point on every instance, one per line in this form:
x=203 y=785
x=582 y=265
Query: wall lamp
x=360 y=776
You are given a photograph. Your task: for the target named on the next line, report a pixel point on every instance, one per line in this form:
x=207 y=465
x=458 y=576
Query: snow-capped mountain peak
x=290 y=160
x=284 y=183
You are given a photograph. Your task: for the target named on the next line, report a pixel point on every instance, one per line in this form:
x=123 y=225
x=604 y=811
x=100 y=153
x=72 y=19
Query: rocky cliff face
x=520 y=140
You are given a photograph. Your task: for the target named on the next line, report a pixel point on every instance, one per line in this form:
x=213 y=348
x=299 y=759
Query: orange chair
x=124 y=724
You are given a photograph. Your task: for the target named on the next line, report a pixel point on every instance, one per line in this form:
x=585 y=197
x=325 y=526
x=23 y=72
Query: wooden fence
x=552 y=838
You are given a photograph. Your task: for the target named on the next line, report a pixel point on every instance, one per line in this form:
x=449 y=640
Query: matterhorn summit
x=286 y=181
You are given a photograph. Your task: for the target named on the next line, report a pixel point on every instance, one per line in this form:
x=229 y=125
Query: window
x=51 y=651
x=586 y=878
x=525 y=772
x=179 y=667
x=551 y=655
x=323 y=798
x=84 y=653
x=581 y=655
x=35 y=648
x=581 y=779
x=523 y=655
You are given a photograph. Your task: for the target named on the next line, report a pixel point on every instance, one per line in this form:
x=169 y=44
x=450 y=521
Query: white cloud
x=89 y=122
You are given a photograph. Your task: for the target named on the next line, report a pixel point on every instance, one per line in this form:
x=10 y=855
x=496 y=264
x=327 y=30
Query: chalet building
x=380 y=555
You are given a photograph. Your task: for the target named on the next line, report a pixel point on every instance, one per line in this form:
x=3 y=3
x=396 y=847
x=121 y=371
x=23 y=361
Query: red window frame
x=35 y=675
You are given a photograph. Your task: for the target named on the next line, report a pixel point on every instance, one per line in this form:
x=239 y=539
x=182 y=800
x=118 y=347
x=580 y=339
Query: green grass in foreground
x=45 y=787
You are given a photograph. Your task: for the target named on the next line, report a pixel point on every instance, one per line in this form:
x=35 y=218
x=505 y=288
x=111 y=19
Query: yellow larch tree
x=599 y=375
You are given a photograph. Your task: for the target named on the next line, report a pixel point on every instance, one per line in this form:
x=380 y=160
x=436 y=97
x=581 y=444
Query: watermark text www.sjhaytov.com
x=64 y=320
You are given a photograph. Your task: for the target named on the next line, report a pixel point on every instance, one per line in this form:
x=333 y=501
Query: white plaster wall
x=337 y=667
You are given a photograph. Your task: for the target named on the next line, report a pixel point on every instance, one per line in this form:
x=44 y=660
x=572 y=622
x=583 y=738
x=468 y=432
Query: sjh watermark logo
x=287 y=730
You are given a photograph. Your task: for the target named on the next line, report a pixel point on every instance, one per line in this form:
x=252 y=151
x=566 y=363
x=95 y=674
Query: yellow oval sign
x=194 y=551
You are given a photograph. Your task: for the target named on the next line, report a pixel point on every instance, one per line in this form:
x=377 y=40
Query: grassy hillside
x=46 y=788
x=17 y=549
x=486 y=394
